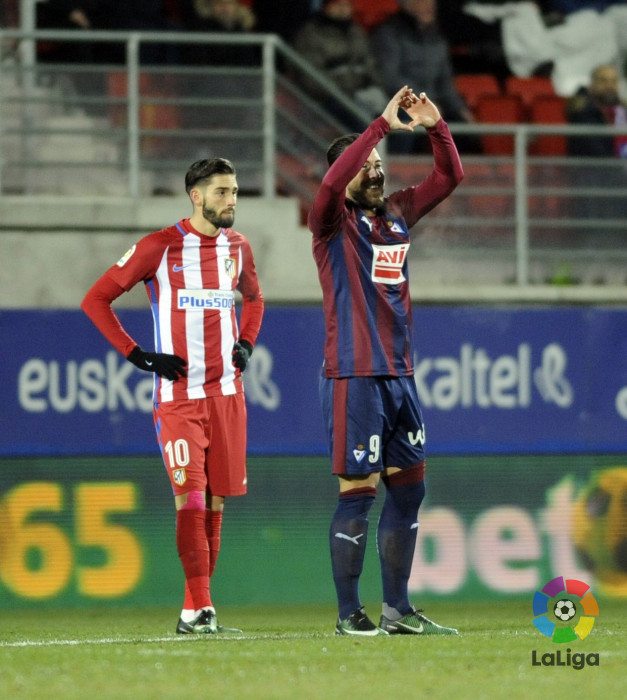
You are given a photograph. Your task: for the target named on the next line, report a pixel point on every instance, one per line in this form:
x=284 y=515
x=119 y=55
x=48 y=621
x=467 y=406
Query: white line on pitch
x=148 y=640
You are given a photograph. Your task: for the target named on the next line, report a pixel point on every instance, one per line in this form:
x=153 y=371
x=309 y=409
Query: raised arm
x=414 y=202
x=325 y=218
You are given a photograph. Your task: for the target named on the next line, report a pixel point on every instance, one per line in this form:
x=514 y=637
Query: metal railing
x=127 y=125
x=31 y=73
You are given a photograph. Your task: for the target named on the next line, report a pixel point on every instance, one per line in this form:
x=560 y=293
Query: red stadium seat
x=474 y=86
x=548 y=109
x=499 y=109
x=152 y=115
x=528 y=88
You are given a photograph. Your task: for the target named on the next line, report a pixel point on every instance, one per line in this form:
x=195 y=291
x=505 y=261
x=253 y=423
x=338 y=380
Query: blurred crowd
x=368 y=48
x=477 y=33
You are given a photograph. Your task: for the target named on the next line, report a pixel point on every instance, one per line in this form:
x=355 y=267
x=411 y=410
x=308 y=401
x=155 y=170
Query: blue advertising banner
x=491 y=380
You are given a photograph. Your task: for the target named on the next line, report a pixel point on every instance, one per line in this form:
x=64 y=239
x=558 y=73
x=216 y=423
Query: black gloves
x=168 y=366
x=172 y=366
x=242 y=350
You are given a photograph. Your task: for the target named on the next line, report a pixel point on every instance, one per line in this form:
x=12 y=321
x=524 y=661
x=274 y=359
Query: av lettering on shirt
x=388 y=262
x=190 y=280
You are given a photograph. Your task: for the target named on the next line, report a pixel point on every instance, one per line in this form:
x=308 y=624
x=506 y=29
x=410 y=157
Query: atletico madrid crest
x=179 y=476
x=230 y=267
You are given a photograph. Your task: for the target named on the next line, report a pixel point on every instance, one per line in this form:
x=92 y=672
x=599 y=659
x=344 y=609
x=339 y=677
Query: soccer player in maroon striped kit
x=369 y=400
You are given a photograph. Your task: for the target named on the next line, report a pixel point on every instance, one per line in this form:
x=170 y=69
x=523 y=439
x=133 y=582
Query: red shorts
x=203 y=444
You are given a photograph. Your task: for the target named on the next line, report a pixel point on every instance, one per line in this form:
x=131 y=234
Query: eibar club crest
x=359 y=453
x=230 y=267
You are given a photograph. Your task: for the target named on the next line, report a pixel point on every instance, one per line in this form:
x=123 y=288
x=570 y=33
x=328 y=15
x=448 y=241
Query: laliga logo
x=565 y=611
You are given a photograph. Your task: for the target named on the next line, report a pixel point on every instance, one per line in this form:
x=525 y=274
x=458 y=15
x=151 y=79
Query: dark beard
x=363 y=202
x=362 y=199
x=218 y=221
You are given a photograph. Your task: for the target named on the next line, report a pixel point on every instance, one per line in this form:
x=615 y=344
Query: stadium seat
x=528 y=88
x=473 y=86
x=548 y=109
x=479 y=176
x=153 y=115
x=499 y=109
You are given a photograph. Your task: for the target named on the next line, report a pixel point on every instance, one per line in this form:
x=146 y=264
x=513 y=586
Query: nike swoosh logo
x=178 y=268
x=342 y=536
x=414 y=630
x=148 y=364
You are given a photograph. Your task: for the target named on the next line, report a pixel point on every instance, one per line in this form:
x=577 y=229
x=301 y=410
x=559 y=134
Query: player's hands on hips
x=242 y=350
x=420 y=108
x=169 y=366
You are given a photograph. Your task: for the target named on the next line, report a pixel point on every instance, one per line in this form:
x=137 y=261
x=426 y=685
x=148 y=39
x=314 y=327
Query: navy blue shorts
x=372 y=423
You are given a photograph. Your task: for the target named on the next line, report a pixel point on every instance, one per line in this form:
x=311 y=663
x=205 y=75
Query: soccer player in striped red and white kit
x=191 y=271
x=369 y=400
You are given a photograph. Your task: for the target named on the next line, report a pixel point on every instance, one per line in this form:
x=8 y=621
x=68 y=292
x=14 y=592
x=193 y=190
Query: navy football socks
x=347 y=538
x=396 y=536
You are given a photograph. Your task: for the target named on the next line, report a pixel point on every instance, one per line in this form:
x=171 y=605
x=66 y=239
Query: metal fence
x=125 y=128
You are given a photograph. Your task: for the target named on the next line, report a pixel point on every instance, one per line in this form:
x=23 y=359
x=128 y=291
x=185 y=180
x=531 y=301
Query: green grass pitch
x=292 y=653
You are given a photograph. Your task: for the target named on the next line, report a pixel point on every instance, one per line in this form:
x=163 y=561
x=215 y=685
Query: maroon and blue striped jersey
x=362 y=260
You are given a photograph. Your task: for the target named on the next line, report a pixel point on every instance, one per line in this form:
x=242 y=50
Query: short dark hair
x=339 y=145
x=205 y=169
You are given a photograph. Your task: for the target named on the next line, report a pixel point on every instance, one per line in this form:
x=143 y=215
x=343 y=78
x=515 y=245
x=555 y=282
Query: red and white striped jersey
x=191 y=281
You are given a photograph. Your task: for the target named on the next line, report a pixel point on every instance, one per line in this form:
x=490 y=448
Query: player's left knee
x=195 y=501
x=404 y=477
x=407 y=487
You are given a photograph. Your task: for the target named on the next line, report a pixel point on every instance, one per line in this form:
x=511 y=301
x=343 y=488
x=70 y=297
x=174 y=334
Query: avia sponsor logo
x=474 y=379
x=201 y=299
x=387 y=263
x=114 y=384
x=565 y=610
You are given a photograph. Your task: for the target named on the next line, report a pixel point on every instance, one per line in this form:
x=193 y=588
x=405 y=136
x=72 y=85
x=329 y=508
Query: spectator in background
x=539 y=40
x=9 y=13
x=412 y=51
x=599 y=104
x=222 y=16
x=139 y=15
x=281 y=17
x=369 y=14
x=567 y=7
x=336 y=45
x=9 y=18
x=475 y=46
x=79 y=15
x=231 y=19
